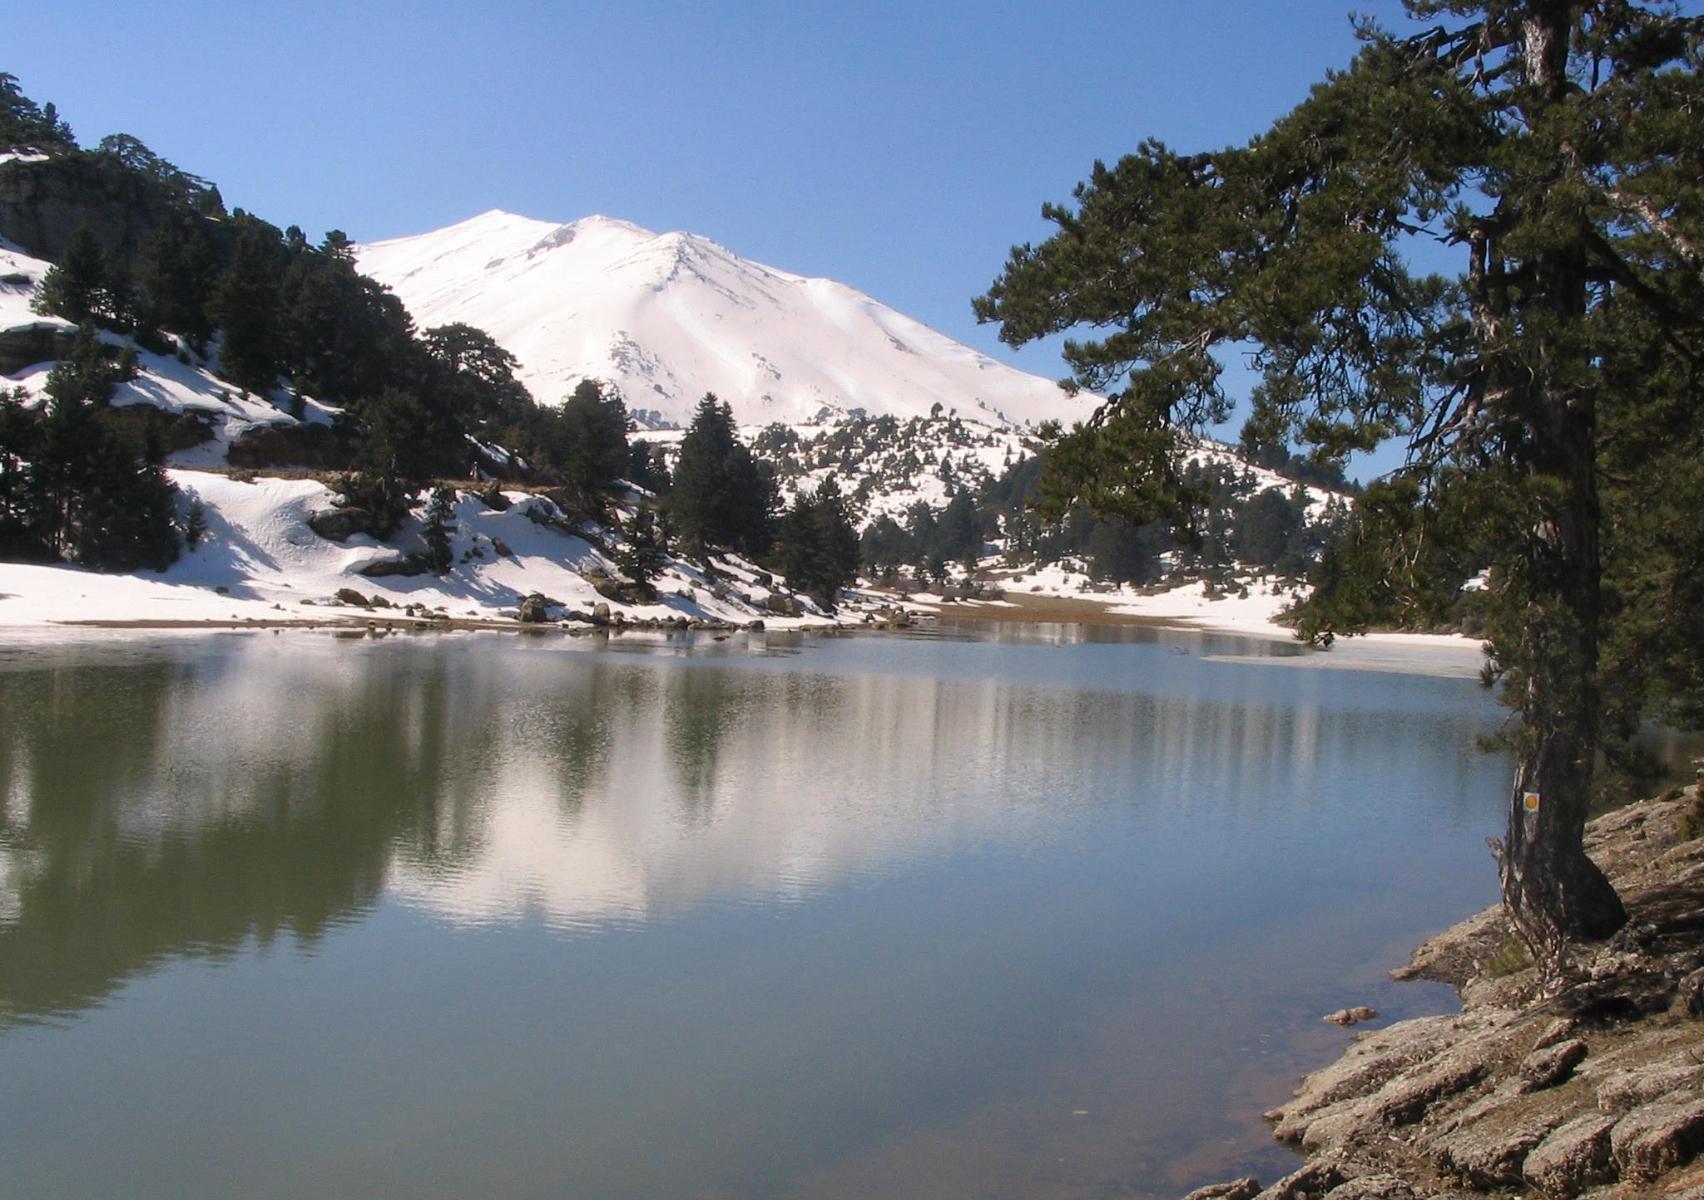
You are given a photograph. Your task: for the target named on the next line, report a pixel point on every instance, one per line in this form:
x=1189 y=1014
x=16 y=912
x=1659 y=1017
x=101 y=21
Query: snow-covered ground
x=260 y=561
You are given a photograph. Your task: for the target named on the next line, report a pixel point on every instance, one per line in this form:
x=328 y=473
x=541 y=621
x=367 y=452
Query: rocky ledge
x=1592 y=1087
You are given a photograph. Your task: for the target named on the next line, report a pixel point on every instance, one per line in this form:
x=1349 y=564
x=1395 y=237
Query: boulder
x=604 y=584
x=1690 y=994
x=784 y=606
x=534 y=610
x=412 y=564
x=502 y=547
x=1559 y=1030
x=491 y=495
x=1574 y=1157
x=338 y=524
x=351 y=597
x=1551 y=1065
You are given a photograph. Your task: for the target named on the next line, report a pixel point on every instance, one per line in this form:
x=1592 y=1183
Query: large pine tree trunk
x=1553 y=892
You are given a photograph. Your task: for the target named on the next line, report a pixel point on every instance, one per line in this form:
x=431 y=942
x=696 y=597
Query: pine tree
x=25 y=126
x=194 y=524
x=588 y=448
x=246 y=307
x=817 y=545
x=17 y=451
x=1552 y=147
x=721 y=495
x=175 y=273
x=82 y=286
x=480 y=385
x=440 y=527
x=643 y=558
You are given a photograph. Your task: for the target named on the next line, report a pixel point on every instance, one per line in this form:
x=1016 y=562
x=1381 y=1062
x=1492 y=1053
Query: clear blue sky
x=900 y=148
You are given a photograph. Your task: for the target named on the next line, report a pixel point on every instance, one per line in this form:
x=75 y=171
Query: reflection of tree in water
x=577 y=733
x=102 y=886
x=700 y=709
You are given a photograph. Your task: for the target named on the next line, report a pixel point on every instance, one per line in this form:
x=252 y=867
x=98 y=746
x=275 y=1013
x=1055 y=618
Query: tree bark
x=1552 y=890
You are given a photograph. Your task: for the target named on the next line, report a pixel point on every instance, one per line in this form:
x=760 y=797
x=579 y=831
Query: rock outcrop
x=1593 y=1086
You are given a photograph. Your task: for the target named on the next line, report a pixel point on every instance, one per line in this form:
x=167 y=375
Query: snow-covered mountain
x=668 y=317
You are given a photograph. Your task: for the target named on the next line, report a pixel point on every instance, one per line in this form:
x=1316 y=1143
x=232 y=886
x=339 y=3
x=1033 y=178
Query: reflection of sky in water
x=850 y=915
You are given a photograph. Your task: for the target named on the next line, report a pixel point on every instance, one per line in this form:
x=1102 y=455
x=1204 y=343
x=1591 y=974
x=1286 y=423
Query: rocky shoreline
x=1596 y=1088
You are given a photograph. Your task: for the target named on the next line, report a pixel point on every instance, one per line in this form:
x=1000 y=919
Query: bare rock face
x=1237 y=1189
x=1367 y=1064
x=1644 y=1084
x=1489 y=1153
x=31 y=344
x=287 y=444
x=1312 y=1181
x=1373 y=1187
x=43 y=203
x=1573 y=1158
x=1658 y=1137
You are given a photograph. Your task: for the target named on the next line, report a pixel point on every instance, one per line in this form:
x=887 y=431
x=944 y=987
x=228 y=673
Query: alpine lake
x=980 y=911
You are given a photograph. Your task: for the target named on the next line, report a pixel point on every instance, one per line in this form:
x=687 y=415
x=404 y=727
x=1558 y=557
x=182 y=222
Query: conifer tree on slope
x=721 y=495
x=1553 y=150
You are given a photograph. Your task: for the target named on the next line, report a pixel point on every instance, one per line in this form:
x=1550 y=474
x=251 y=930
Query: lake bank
x=1186 y=608
x=1594 y=1089
x=45 y=597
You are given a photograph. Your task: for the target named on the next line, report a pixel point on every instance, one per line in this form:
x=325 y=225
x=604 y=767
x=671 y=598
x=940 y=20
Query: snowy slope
x=259 y=560
x=668 y=317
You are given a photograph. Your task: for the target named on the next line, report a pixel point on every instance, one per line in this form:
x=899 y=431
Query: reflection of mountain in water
x=188 y=801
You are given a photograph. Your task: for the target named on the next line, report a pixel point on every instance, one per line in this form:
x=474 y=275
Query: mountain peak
x=667 y=317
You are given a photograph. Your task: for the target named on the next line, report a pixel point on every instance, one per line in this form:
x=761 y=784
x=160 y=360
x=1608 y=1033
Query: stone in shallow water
x=1351 y=1016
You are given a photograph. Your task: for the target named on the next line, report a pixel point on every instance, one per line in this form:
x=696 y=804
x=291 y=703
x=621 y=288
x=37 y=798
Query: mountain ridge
x=667 y=317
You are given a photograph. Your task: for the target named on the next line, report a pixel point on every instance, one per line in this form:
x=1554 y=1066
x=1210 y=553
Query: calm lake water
x=991 y=911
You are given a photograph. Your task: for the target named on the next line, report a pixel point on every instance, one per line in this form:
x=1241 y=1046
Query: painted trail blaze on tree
x=1555 y=152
